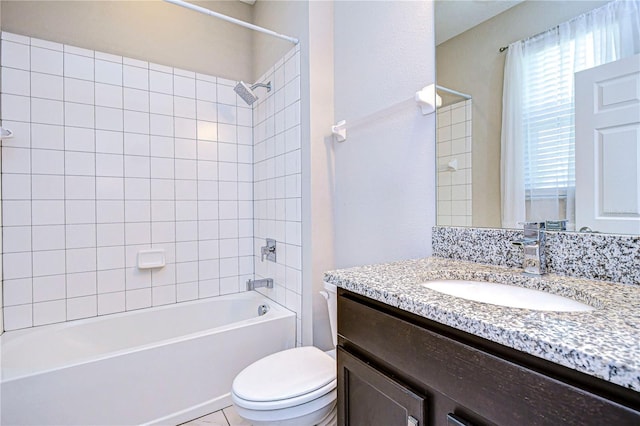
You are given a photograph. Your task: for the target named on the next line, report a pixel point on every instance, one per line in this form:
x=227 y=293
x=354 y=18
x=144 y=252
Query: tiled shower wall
x=454 y=164
x=112 y=155
x=277 y=187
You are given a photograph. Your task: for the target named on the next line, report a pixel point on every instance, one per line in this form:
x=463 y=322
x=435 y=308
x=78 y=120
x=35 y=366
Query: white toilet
x=294 y=387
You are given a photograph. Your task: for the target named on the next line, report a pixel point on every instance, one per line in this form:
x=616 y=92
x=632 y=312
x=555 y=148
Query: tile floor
x=225 y=417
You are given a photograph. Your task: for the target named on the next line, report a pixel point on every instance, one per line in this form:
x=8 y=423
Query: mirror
x=469 y=36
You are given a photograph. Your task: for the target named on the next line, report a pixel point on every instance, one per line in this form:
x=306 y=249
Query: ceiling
x=453 y=17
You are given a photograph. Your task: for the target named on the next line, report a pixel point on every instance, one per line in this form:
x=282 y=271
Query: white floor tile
x=233 y=418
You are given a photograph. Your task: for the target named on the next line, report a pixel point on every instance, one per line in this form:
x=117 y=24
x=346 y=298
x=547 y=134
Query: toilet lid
x=285 y=375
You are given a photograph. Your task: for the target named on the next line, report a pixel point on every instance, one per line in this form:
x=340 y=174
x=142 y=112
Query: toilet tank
x=331 y=295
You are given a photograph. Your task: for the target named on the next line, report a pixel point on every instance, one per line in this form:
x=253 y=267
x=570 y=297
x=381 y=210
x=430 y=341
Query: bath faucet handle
x=268 y=251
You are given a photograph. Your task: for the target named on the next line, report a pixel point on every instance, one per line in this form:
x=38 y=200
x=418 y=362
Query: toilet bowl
x=294 y=387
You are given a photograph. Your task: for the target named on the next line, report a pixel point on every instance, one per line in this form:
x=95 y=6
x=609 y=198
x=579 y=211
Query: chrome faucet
x=533 y=246
x=265 y=282
x=268 y=251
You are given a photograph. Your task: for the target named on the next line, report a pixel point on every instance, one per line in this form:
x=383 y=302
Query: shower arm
x=265 y=85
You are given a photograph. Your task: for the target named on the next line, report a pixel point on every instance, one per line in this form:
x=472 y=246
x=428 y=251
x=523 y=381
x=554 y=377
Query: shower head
x=246 y=92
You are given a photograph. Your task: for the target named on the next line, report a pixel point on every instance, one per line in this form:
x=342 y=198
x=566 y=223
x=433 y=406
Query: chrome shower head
x=246 y=92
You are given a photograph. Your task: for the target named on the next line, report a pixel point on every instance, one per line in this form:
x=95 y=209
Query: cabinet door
x=368 y=397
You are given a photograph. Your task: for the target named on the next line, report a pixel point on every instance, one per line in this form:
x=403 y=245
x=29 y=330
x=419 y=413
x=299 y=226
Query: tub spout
x=265 y=282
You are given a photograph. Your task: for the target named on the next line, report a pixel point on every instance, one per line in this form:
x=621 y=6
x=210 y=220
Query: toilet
x=294 y=387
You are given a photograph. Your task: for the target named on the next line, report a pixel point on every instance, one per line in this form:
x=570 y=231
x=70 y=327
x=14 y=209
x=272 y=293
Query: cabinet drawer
x=501 y=391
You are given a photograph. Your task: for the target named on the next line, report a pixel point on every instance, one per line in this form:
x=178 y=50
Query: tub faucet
x=265 y=282
x=533 y=246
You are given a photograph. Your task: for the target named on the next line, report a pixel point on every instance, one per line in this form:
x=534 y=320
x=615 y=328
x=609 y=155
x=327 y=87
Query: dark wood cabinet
x=395 y=367
x=372 y=398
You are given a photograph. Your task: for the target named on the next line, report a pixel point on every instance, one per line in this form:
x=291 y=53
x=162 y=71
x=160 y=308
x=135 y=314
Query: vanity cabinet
x=396 y=368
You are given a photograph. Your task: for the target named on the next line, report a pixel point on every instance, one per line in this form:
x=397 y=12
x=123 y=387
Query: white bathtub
x=162 y=365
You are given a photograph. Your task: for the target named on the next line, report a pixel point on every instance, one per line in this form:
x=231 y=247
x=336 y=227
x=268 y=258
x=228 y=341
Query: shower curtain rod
x=453 y=92
x=232 y=20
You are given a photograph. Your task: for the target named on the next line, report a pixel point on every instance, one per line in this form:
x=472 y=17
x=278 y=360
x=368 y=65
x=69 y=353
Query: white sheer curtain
x=537 y=142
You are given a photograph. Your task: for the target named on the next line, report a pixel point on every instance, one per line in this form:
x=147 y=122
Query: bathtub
x=163 y=365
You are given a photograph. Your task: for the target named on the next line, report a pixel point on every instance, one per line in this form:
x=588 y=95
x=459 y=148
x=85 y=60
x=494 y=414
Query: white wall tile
x=186 y=272
x=189 y=231
x=47 y=212
x=137 y=188
x=184 y=86
x=163 y=295
x=160 y=103
x=137 y=233
x=138 y=299
x=110 y=303
x=82 y=307
x=108 y=72
x=111 y=257
x=135 y=77
x=136 y=100
x=207 y=131
x=137 y=161
x=136 y=144
x=108 y=118
x=111 y=280
x=16 y=187
x=48 y=237
x=15 y=55
x=80 y=187
x=17 y=265
x=49 y=312
x=108 y=95
x=137 y=211
x=109 y=165
x=80 y=236
x=80 y=163
x=162 y=189
x=137 y=166
x=161 y=82
x=163 y=232
x=109 y=188
x=77 y=66
x=186 y=190
x=185 y=128
x=16 y=107
x=81 y=260
x=16 y=82
x=136 y=122
x=185 y=148
x=47 y=86
x=184 y=107
x=17 y=292
x=76 y=139
x=80 y=91
x=161 y=125
x=206 y=90
x=81 y=284
x=110 y=211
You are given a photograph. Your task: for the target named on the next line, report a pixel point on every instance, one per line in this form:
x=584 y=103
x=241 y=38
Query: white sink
x=507 y=295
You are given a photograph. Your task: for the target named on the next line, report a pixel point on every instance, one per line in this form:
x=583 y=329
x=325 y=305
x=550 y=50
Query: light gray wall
x=153 y=31
x=312 y=23
x=471 y=63
x=285 y=17
x=384 y=172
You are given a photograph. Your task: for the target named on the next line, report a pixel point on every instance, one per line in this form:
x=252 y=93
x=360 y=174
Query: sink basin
x=507 y=295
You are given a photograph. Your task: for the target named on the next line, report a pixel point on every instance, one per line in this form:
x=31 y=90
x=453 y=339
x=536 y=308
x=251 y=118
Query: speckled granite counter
x=604 y=343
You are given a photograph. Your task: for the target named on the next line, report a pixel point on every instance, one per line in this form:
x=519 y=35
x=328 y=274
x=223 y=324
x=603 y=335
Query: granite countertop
x=604 y=343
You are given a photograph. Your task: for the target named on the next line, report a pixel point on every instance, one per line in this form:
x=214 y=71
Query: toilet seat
x=285 y=379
